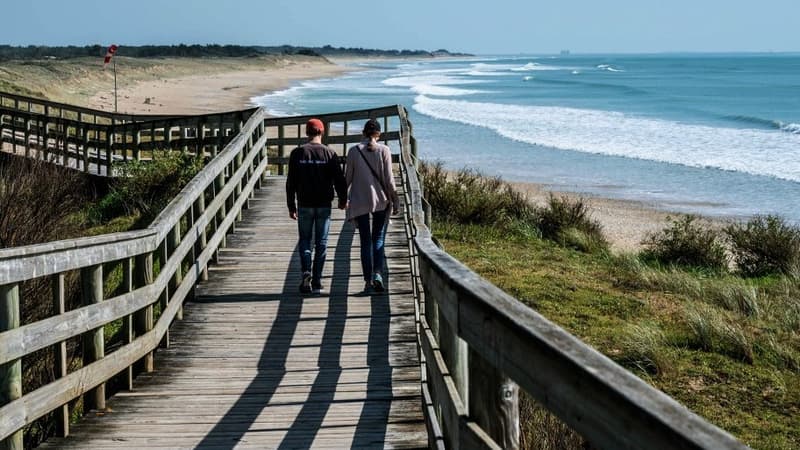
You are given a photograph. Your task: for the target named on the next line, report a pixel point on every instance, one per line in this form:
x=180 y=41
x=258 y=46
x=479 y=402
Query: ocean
x=710 y=134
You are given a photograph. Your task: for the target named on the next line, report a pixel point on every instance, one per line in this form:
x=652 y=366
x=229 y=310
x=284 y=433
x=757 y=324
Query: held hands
x=343 y=204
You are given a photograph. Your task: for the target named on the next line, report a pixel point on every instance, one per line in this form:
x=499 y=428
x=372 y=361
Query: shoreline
x=199 y=86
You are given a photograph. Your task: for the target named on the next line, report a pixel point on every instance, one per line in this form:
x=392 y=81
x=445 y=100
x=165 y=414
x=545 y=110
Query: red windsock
x=109 y=53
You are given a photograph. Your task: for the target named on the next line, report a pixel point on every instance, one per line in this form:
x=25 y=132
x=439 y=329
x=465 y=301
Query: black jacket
x=314 y=172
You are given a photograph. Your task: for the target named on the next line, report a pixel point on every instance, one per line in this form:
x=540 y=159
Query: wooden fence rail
x=161 y=265
x=91 y=140
x=477 y=345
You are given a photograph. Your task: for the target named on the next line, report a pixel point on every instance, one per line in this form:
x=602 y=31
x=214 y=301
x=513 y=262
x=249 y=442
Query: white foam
x=790 y=127
x=430 y=79
x=760 y=152
x=443 y=91
x=609 y=68
x=532 y=66
x=527 y=78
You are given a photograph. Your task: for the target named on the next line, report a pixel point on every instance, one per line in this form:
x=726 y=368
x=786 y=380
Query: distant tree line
x=8 y=52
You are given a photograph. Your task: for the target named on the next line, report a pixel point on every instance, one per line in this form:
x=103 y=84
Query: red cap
x=314 y=127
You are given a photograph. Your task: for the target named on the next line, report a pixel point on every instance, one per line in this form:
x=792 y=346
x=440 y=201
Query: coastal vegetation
x=34 y=52
x=707 y=315
x=42 y=202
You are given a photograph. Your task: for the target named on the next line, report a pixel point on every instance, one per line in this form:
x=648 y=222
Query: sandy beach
x=215 y=91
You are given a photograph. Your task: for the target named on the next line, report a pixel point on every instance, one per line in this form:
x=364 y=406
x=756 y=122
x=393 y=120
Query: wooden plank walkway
x=254 y=364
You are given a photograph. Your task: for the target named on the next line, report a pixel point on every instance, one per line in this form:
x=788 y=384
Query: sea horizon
x=711 y=133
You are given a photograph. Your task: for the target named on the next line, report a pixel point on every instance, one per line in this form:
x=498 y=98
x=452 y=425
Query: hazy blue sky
x=493 y=26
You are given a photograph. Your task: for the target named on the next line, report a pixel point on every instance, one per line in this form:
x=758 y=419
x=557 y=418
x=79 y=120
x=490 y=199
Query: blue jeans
x=318 y=222
x=372 y=250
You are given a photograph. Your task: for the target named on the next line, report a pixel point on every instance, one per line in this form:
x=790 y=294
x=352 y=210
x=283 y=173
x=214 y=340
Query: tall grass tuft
x=684 y=242
x=541 y=430
x=467 y=197
x=568 y=222
x=765 y=245
x=711 y=331
x=644 y=347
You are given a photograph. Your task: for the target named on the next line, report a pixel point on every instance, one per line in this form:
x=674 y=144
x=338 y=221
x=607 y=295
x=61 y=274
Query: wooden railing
x=90 y=140
x=160 y=267
x=476 y=343
x=478 y=346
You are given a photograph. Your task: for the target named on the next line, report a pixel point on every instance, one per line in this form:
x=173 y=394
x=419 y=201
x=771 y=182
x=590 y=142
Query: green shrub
x=146 y=187
x=567 y=222
x=684 y=242
x=468 y=197
x=765 y=245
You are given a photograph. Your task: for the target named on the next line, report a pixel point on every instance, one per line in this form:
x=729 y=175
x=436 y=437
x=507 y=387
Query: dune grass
x=725 y=347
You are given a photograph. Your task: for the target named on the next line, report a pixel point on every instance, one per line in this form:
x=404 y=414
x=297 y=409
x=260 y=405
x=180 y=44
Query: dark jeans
x=318 y=222
x=372 y=250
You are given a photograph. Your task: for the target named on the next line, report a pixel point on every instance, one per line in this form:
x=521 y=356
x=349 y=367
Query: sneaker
x=305 y=285
x=316 y=287
x=377 y=282
x=367 y=288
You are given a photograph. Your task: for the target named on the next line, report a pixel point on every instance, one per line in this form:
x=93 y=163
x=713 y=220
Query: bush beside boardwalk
x=42 y=202
x=723 y=343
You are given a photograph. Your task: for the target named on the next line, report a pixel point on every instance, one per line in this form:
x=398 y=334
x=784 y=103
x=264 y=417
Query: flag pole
x=115 y=84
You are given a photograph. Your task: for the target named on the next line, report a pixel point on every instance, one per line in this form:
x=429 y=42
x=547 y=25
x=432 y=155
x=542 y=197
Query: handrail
x=467 y=329
x=474 y=339
x=226 y=182
x=90 y=140
x=209 y=206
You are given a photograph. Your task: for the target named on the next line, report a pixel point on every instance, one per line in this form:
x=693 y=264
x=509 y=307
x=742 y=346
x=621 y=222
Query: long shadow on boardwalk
x=239 y=419
x=307 y=423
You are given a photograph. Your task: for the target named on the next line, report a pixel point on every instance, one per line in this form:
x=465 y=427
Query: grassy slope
x=589 y=296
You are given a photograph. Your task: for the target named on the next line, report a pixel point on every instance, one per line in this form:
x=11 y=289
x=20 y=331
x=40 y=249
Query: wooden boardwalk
x=254 y=364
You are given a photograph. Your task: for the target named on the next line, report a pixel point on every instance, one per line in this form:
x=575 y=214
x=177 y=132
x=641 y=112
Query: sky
x=480 y=27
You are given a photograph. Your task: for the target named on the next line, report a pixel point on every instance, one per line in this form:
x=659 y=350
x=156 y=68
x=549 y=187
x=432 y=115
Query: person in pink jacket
x=372 y=192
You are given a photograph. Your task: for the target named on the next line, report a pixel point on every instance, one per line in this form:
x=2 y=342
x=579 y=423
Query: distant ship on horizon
x=564 y=52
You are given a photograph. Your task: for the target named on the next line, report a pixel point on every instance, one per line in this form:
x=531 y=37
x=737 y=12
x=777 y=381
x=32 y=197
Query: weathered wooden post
x=163 y=299
x=202 y=241
x=219 y=184
x=173 y=241
x=44 y=151
x=10 y=372
x=220 y=137
x=494 y=402
x=127 y=321
x=93 y=342
x=143 y=319
x=110 y=147
x=281 y=151
x=59 y=306
x=137 y=145
x=168 y=135
x=455 y=353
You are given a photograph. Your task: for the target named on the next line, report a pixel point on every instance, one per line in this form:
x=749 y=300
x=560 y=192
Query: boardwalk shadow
x=227 y=433
x=306 y=425
x=239 y=419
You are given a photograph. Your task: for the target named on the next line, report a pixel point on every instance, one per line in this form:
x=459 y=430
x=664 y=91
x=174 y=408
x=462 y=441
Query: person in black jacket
x=314 y=172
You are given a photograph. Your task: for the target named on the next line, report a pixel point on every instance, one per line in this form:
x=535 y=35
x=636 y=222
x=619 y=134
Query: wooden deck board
x=256 y=365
